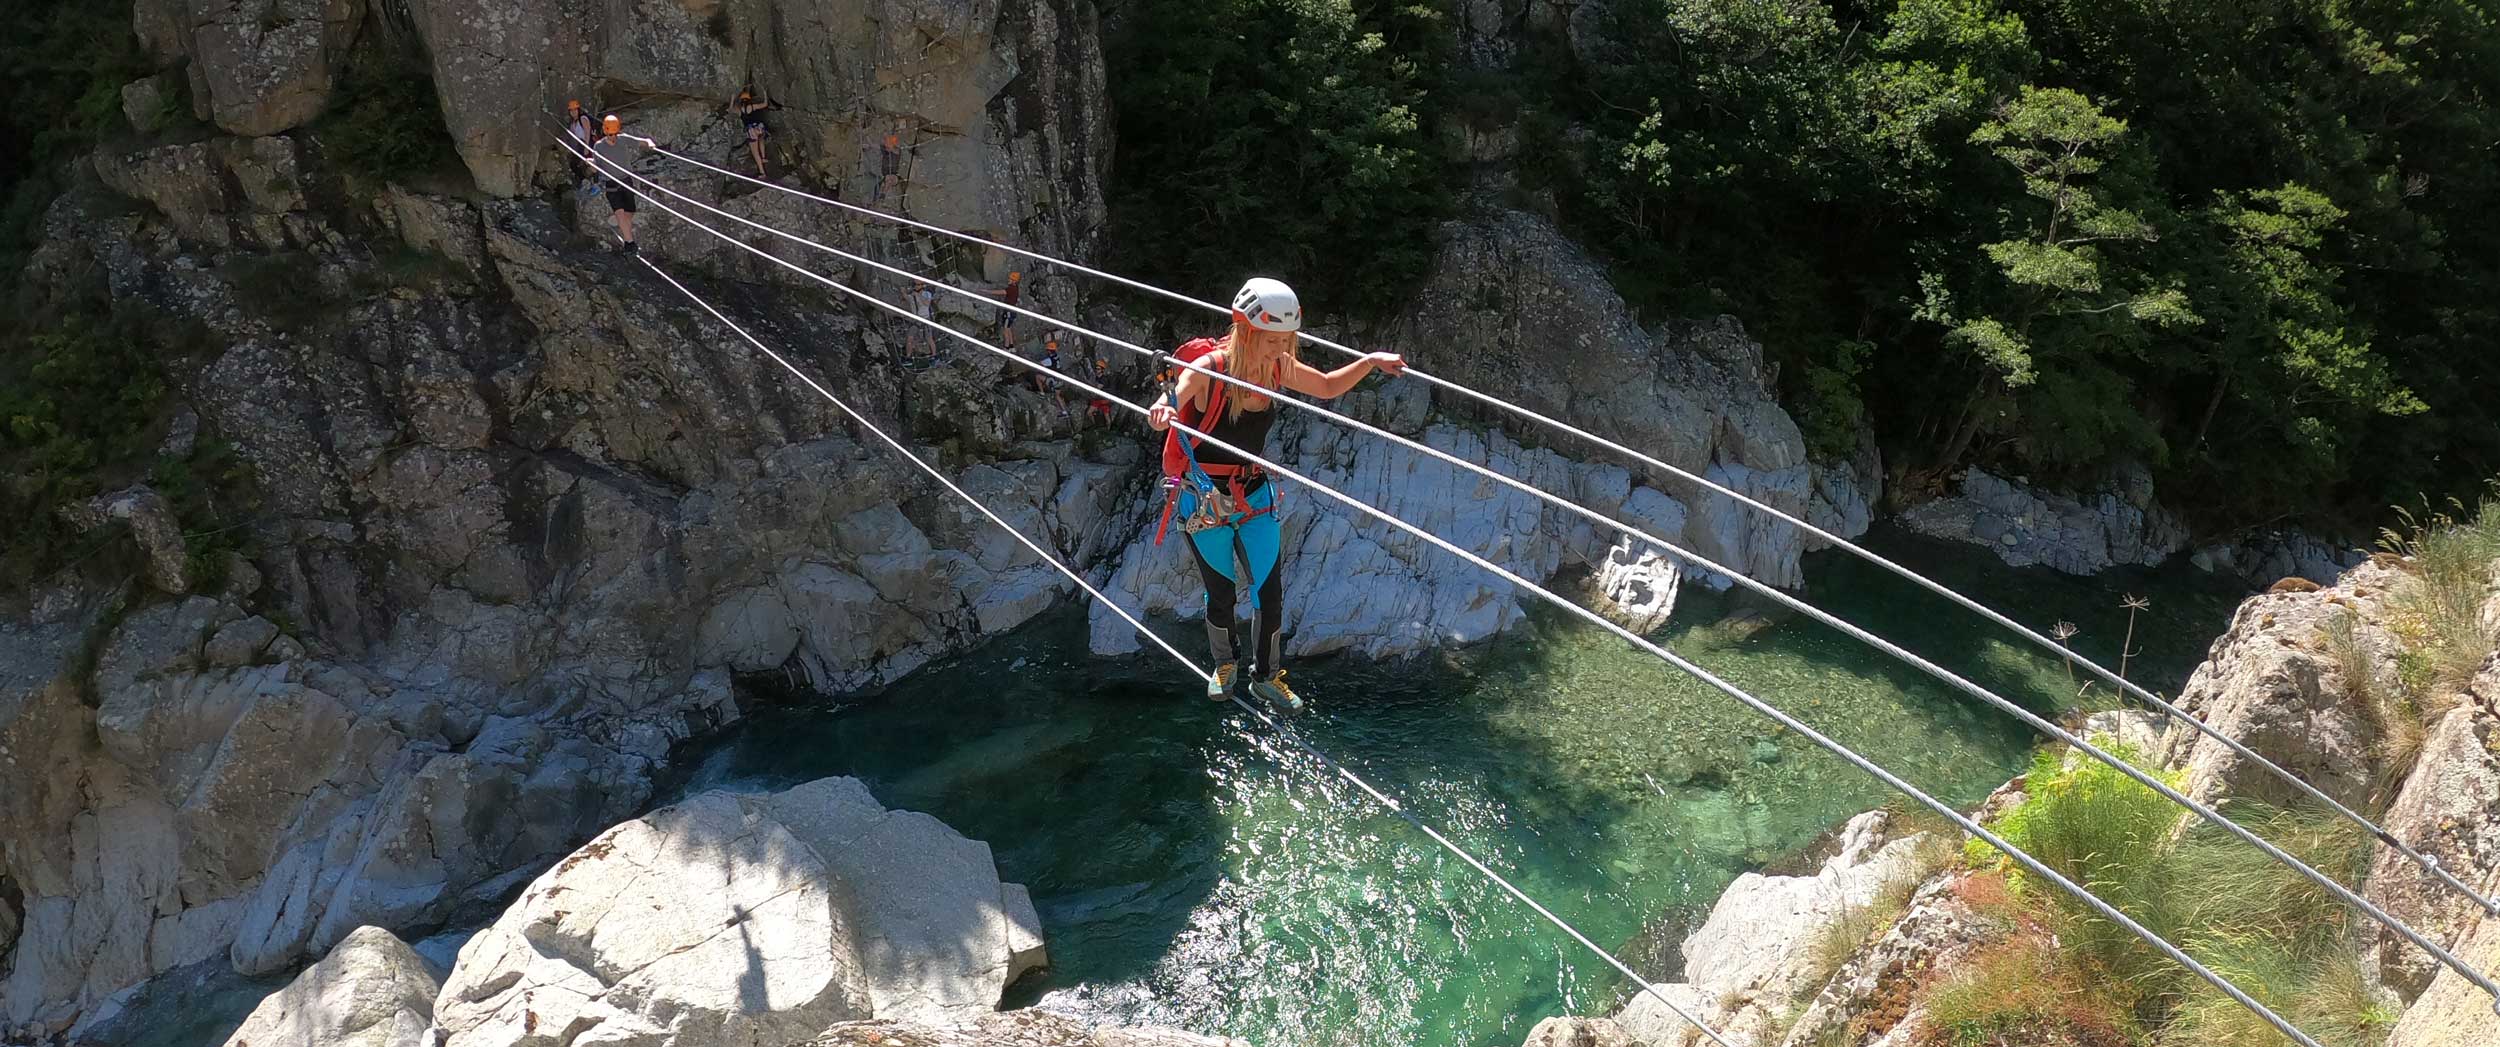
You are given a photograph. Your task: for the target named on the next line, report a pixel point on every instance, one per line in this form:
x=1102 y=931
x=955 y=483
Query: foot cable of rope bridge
x=2489 y=903
x=1291 y=736
x=2207 y=814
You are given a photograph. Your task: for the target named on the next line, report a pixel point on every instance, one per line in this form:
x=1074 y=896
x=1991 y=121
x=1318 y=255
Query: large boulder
x=219 y=193
x=2078 y=534
x=371 y=991
x=746 y=919
x=1865 y=1000
x=1517 y=309
x=1579 y=1032
x=2274 y=683
x=2448 y=809
x=2454 y=1012
x=1772 y=943
x=152 y=525
x=2267 y=557
x=258 y=67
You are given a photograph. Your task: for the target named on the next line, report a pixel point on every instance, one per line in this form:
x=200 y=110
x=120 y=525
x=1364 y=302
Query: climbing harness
x=1751 y=702
x=2427 y=863
x=1204 y=496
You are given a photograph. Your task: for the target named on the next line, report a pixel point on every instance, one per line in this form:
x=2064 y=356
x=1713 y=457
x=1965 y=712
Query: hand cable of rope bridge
x=2428 y=863
x=1294 y=737
x=2206 y=813
x=2034 y=865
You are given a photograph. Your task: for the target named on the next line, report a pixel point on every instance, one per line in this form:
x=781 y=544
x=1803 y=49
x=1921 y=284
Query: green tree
x=1279 y=136
x=2062 y=303
x=2286 y=355
x=1937 y=68
x=62 y=67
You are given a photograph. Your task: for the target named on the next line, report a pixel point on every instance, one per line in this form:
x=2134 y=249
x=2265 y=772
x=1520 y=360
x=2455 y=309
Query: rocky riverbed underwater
x=1192 y=871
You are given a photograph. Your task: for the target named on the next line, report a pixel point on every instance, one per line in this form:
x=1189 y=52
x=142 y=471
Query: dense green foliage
x=2240 y=242
x=2269 y=930
x=1280 y=136
x=62 y=67
x=84 y=395
x=385 y=121
x=2248 y=244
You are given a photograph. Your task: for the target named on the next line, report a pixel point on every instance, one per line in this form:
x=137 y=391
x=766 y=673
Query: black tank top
x=1247 y=430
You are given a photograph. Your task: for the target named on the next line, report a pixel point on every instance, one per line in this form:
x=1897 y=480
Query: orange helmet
x=1014 y=277
x=612 y=125
x=745 y=96
x=573 y=105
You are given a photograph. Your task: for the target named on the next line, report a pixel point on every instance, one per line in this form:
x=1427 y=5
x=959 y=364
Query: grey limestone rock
x=1579 y=1032
x=2272 y=683
x=372 y=990
x=152 y=525
x=1755 y=958
x=2076 y=534
x=257 y=67
x=2449 y=809
x=746 y=919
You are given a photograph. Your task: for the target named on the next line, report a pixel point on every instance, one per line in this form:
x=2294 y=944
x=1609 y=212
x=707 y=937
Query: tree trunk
x=2206 y=424
x=1960 y=444
x=1965 y=428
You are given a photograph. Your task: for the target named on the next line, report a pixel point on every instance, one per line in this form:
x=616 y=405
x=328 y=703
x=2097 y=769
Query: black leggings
x=1269 y=619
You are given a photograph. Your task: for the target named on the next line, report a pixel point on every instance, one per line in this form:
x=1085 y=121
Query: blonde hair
x=1243 y=360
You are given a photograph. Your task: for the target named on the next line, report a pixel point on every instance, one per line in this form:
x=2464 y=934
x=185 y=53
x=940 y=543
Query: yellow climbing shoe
x=1221 y=687
x=1276 y=692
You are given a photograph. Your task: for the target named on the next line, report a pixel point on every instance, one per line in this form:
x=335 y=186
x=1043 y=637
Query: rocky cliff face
x=2119 y=525
x=523 y=514
x=1516 y=309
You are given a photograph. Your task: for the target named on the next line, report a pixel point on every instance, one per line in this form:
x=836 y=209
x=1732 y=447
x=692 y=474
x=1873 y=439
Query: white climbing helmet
x=1268 y=305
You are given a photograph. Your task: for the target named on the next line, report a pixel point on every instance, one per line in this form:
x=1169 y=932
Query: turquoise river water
x=1191 y=870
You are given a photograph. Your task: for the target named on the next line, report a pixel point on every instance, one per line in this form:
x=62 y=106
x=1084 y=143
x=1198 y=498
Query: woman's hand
x=1390 y=362
x=1160 y=415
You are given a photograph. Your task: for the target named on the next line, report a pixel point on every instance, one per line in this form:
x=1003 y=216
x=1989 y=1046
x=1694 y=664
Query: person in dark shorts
x=751 y=113
x=614 y=157
x=1050 y=359
x=1011 y=294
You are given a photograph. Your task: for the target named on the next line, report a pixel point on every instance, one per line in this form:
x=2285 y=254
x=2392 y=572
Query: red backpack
x=1178 y=460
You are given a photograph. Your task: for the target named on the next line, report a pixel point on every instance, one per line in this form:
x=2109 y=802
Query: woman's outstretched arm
x=1328 y=385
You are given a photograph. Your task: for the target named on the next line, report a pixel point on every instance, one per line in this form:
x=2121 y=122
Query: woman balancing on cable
x=1225 y=504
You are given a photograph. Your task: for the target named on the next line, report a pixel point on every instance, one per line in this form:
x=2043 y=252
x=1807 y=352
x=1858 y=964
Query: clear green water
x=1193 y=871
